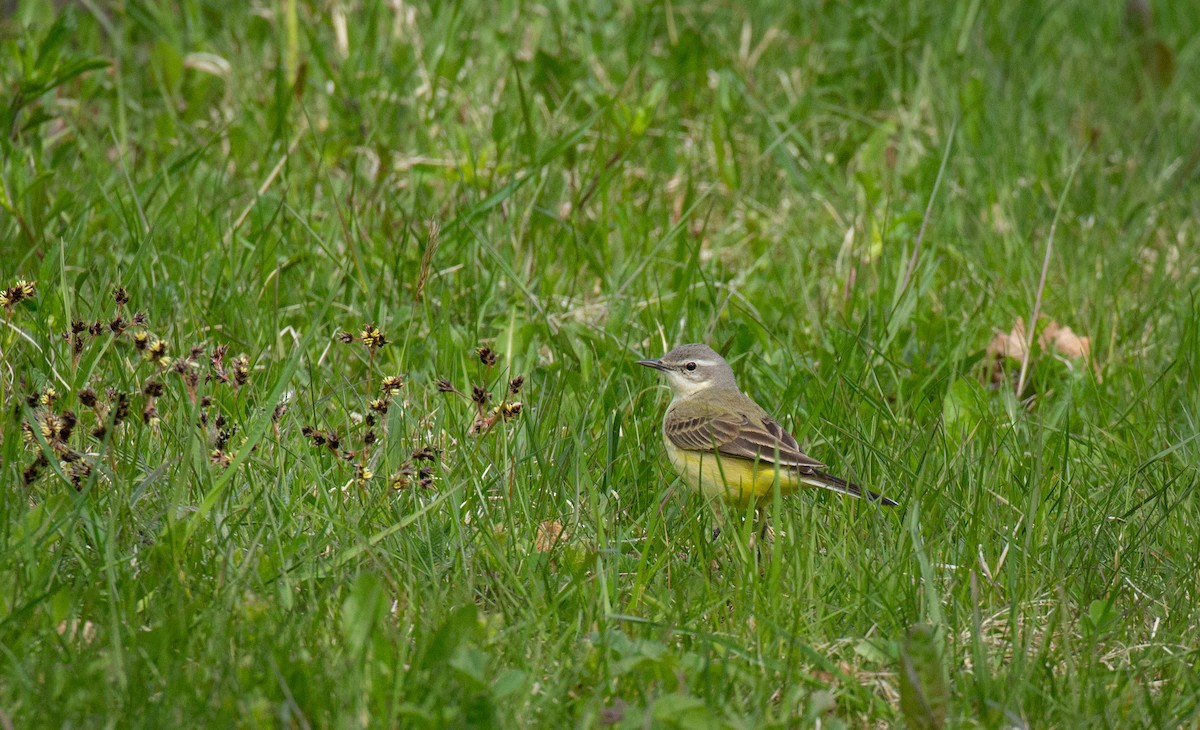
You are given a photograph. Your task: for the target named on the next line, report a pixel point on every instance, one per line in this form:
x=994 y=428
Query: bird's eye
x=690 y=366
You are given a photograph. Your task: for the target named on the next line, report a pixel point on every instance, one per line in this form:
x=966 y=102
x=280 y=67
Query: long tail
x=837 y=484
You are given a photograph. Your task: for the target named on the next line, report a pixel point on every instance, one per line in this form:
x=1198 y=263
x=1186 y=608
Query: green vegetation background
x=607 y=180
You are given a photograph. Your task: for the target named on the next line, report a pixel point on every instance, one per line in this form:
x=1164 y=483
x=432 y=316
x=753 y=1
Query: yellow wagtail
x=725 y=445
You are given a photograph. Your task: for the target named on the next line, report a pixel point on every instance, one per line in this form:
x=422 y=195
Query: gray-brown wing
x=739 y=436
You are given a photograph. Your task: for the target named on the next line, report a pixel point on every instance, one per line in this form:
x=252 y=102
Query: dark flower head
x=241 y=369
x=47 y=397
x=372 y=338
x=120 y=296
x=391 y=384
x=511 y=410
x=514 y=385
x=425 y=453
x=156 y=350
x=16 y=294
x=487 y=356
x=480 y=396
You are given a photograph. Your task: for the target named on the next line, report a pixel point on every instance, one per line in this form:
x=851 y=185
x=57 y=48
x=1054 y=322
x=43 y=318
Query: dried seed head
x=95 y=329
x=120 y=296
x=445 y=386
x=87 y=397
x=487 y=356
x=78 y=326
x=33 y=471
x=77 y=471
x=369 y=438
x=68 y=424
x=153 y=388
x=120 y=409
x=315 y=436
x=345 y=337
x=514 y=385
x=140 y=319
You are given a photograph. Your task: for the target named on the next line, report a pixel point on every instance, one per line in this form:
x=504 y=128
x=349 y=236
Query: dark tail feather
x=837 y=484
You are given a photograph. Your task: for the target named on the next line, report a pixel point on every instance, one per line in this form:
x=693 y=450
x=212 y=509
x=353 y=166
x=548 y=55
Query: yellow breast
x=734 y=480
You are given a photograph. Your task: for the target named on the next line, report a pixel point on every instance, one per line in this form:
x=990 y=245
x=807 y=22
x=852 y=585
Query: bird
x=726 y=446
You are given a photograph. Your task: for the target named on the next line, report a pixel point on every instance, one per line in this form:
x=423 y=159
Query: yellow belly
x=734 y=480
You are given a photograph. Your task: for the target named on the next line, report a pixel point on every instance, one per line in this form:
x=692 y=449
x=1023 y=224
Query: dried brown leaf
x=550 y=534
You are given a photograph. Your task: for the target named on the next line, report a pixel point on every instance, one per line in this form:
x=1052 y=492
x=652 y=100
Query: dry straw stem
x=431 y=246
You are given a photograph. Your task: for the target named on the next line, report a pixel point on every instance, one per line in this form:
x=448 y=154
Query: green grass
x=607 y=181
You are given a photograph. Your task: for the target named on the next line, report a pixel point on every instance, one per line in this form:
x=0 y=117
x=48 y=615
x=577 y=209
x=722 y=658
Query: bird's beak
x=656 y=364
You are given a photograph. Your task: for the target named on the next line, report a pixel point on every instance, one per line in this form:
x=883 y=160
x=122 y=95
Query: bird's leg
x=718 y=520
x=764 y=537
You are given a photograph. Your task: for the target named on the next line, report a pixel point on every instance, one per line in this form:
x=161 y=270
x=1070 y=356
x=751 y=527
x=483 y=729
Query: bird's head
x=692 y=368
